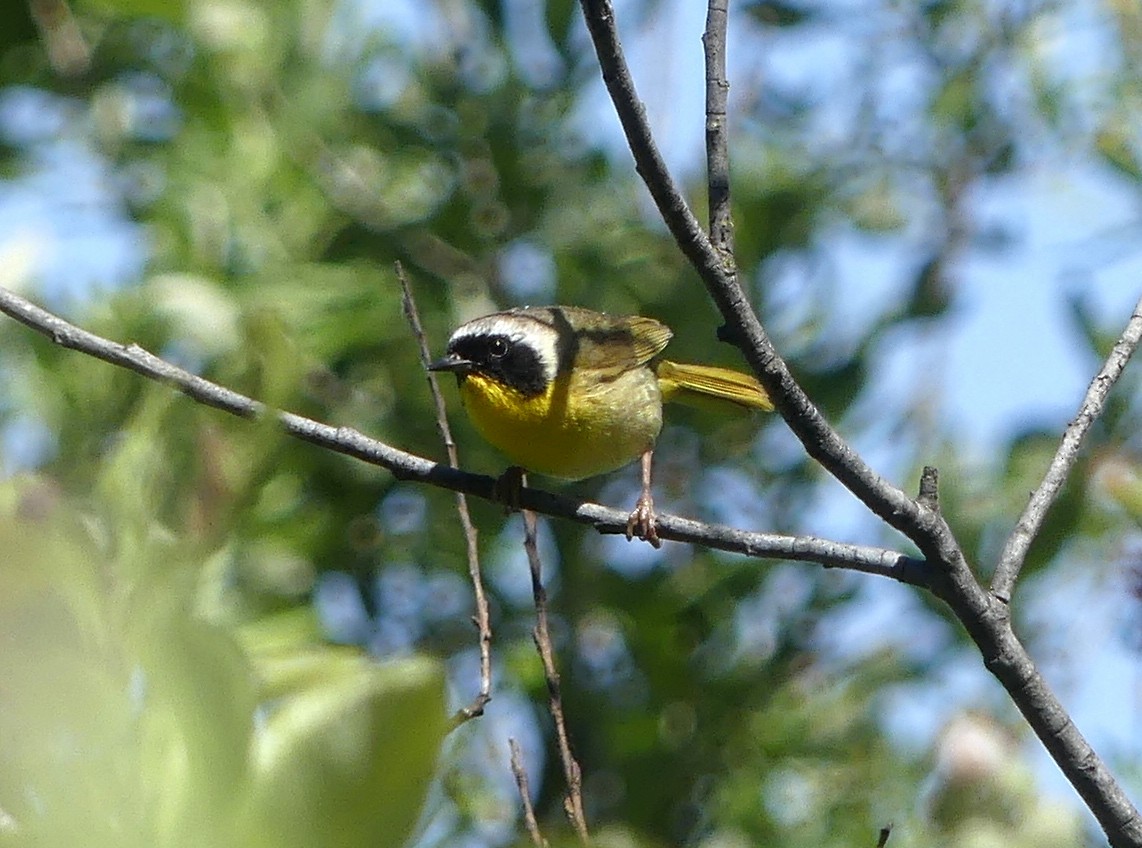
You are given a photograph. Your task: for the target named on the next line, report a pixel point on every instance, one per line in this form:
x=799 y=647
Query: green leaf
x=199 y=701
x=125 y=724
x=348 y=762
x=954 y=101
x=1028 y=458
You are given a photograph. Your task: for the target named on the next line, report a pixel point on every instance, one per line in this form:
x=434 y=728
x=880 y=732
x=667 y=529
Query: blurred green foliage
x=165 y=680
x=133 y=718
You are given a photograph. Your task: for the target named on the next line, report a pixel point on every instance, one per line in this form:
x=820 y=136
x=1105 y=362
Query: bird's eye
x=499 y=348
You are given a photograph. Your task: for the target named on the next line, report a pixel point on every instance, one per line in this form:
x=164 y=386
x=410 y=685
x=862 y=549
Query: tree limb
x=949 y=575
x=407 y=466
x=1031 y=521
x=821 y=441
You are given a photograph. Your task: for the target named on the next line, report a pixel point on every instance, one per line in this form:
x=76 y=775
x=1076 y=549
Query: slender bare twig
x=407 y=466
x=885 y=832
x=482 y=618
x=717 y=130
x=525 y=796
x=573 y=801
x=948 y=574
x=1031 y=521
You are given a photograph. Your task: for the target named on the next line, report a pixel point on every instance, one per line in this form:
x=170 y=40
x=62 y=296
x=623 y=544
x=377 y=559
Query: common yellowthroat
x=571 y=393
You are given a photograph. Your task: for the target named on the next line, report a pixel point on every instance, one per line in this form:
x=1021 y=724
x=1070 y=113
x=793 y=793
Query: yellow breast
x=577 y=428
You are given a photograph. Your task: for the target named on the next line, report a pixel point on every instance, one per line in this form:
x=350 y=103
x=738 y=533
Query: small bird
x=570 y=393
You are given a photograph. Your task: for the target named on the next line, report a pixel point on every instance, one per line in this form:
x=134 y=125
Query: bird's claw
x=508 y=488
x=642 y=521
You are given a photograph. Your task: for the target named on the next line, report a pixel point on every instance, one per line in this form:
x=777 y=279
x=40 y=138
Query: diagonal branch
x=821 y=441
x=572 y=774
x=1031 y=521
x=407 y=466
x=949 y=575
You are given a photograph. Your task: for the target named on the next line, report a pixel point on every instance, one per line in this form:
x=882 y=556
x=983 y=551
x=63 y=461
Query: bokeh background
x=210 y=634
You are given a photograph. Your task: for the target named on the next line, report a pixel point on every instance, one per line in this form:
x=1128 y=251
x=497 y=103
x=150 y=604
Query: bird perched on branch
x=571 y=393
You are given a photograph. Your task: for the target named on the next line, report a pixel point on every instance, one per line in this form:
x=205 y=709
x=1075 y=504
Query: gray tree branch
x=717 y=128
x=407 y=466
x=821 y=441
x=947 y=573
x=1031 y=521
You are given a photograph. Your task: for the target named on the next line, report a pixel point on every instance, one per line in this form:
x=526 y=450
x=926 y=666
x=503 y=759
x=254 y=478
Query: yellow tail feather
x=689 y=383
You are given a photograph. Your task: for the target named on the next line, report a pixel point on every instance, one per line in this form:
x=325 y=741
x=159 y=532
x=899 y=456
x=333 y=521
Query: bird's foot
x=508 y=487
x=642 y=521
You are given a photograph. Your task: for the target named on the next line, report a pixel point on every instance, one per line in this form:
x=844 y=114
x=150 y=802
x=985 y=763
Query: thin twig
x=407 y=466
x=525 y=796
x=573 y=802
x=1031 y=521
x=885 y=832
x=717 y=130
x=482 y=618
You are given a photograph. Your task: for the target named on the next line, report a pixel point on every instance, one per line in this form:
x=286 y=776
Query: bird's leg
x=508 y=486
x=642 y=520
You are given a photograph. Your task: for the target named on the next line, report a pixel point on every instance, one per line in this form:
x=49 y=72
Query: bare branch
x=407 y=466
x=482 y=619
x=525 y=796
x=948 y=574
x=885 y=832
x=573 y=802
x=821 y=441
x=717 y=130
x=1031 y=521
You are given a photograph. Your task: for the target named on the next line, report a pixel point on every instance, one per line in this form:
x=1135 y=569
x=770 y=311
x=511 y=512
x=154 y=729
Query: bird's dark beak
x=451 y=362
